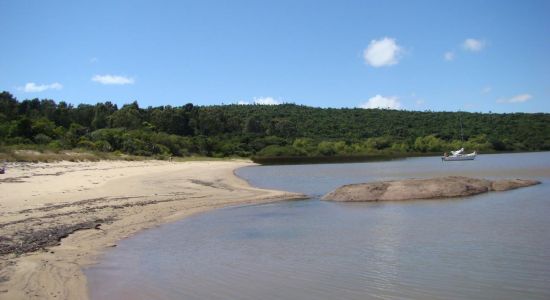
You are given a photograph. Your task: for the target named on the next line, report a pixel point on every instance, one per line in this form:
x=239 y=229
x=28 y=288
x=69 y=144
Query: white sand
x=137 y=195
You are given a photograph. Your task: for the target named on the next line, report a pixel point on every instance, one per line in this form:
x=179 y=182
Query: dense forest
x=261 y=130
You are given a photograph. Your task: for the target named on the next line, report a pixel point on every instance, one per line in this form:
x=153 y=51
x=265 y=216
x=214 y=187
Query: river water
x=491 y=246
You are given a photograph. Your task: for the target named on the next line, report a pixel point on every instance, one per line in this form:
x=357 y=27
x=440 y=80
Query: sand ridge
x=56 y=218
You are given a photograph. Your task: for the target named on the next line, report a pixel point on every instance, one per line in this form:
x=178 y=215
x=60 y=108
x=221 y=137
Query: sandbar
x=56 y=218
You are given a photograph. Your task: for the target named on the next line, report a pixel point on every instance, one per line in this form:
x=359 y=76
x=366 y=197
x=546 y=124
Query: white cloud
x=261 y=101
x=94 y=60
x=486 y=90
x=266 y=101
x=516 y=99
x=384 y=52
x=473 y=45
x=113 y=79
x=379 y=101
x=420 y=102
x=32 y=87
x=449 y=56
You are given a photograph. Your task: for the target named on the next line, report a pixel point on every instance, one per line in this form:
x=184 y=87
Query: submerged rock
x=409 y=189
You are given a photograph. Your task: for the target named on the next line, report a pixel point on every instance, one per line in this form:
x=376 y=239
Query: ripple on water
x=492 y=246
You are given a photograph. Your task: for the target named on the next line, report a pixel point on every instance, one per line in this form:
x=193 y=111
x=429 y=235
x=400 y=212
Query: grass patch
x=44 y=154
x=34 y=153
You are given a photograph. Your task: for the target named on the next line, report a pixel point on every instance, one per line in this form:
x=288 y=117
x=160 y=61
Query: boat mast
x=461 y=129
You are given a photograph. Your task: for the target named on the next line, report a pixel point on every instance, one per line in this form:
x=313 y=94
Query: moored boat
x=459 y=155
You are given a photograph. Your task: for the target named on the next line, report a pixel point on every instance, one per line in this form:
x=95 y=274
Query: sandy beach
x=56 y=218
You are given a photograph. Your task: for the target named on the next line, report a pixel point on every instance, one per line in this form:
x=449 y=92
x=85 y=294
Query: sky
x=479 y=56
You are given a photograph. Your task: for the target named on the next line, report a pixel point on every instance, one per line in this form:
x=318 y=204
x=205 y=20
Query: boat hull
x=458 y=158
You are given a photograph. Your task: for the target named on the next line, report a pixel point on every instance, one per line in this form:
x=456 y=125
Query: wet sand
x=56 y=218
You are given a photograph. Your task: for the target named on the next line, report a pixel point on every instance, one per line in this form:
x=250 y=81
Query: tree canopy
x=262 y=130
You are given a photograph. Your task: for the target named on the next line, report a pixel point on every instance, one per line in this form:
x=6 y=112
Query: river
x=490 y=246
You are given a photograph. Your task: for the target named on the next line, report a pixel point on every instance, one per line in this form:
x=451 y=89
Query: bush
x=326 y=148
x=103 y=146
x=276 y=150
x=429 y=143
x=18 y=140
x=55 y=145
x=86 y=144
x=42 y=139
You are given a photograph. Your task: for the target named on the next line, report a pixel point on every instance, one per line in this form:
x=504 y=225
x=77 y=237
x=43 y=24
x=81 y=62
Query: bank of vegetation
x=260 y=131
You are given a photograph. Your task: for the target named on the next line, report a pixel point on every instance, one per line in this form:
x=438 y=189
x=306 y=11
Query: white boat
x=459 y=155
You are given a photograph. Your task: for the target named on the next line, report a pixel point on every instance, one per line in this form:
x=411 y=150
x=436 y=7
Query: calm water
x=492 y=246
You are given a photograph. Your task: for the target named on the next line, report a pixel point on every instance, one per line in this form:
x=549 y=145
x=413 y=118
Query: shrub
x=42 y=139
x=276 y=150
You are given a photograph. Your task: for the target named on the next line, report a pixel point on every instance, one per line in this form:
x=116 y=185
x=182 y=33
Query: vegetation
x=286 y=130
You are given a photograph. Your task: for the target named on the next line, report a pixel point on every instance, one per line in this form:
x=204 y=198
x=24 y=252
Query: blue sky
x=416 y=55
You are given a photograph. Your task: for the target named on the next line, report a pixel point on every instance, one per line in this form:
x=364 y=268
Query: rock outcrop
x=432 y=188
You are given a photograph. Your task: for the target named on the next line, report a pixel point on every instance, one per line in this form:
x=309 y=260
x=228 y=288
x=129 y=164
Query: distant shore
x=290 y=160
x=56 y=218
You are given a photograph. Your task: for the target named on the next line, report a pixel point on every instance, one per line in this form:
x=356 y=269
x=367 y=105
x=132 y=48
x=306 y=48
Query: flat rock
x=431 y=188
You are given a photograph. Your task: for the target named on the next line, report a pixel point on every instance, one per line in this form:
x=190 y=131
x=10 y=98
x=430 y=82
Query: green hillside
x=261 y=130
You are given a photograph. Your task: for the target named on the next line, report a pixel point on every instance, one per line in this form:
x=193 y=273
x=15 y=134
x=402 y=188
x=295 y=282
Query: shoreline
x=366 y=158
x=57 y=218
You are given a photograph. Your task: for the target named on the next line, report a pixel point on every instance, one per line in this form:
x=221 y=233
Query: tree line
x=261 y=130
